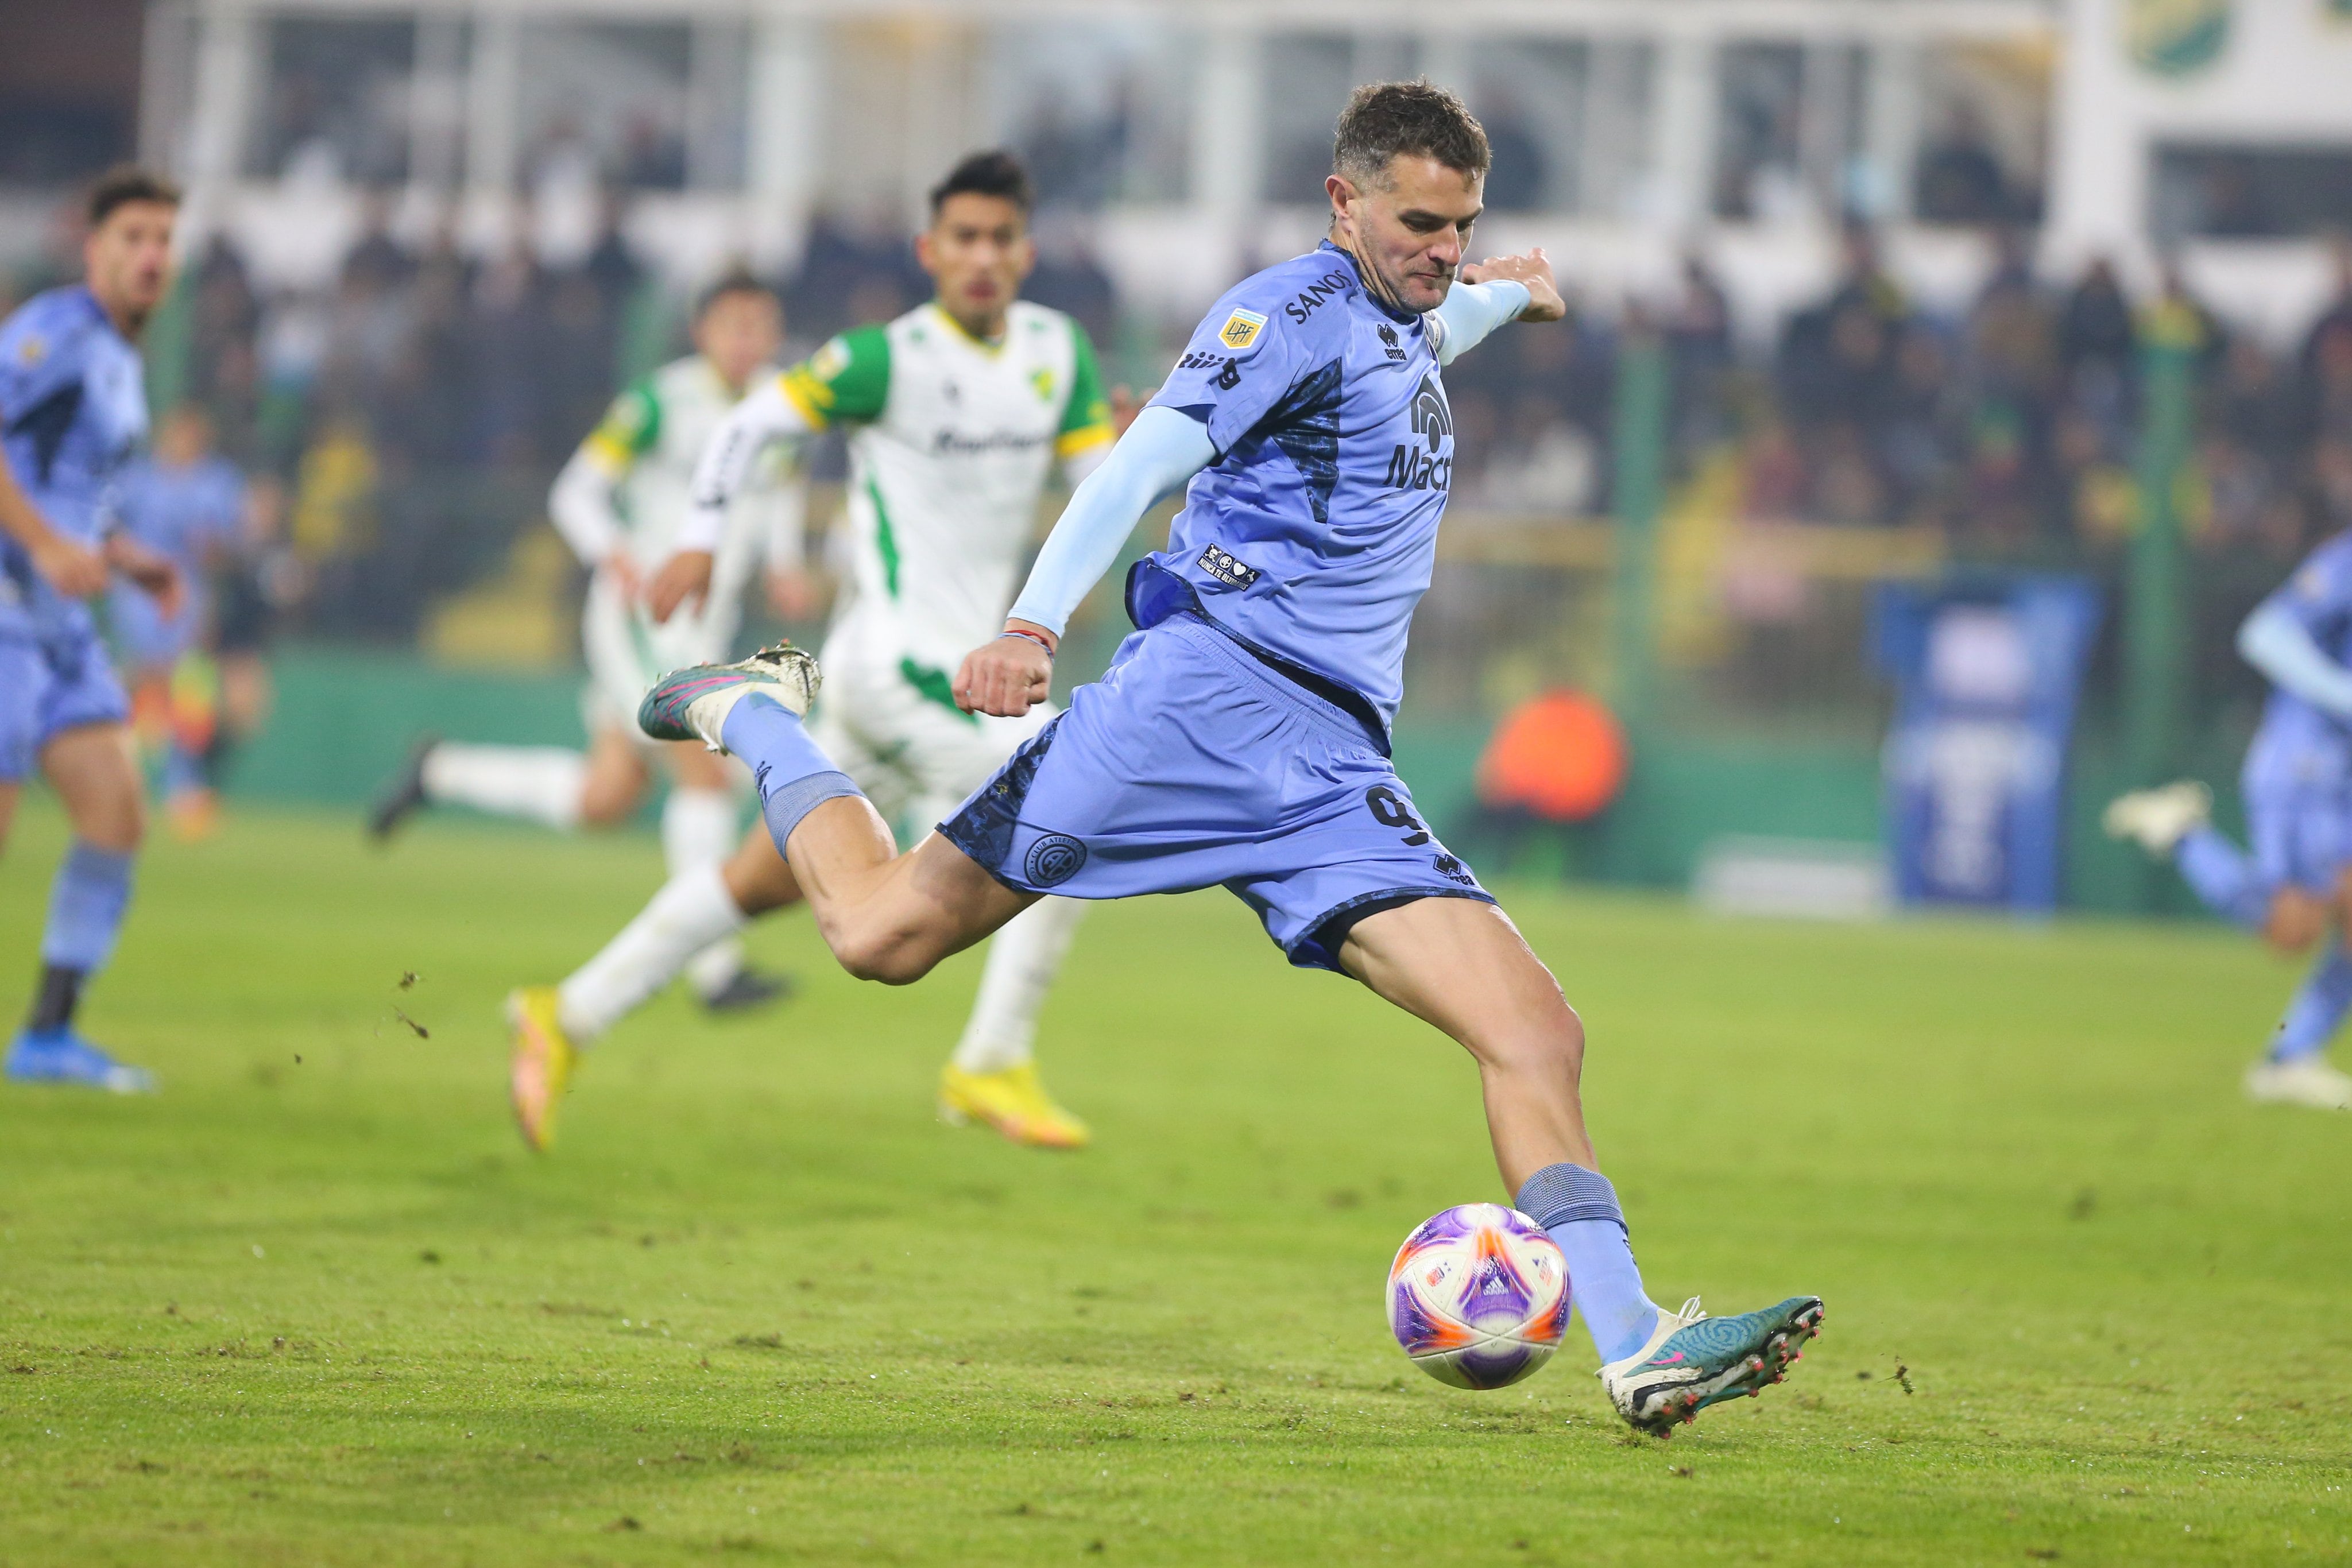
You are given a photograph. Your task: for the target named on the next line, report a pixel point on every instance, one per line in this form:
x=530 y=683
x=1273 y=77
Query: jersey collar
x=956 y=326
x=1383 y=306
x=88 y=302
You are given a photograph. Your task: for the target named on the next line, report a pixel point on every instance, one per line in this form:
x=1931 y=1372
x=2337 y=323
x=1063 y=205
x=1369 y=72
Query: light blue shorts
x=51 y=682
x=1189 y=764
x=2301 y=835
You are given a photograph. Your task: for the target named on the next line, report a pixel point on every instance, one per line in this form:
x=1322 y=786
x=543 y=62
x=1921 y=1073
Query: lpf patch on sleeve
x=1227 y=568
x=1241 y=329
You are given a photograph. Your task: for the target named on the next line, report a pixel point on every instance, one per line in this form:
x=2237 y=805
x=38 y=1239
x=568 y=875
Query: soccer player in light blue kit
x=2297 y=881
x=188 y=503
x=73 y=409
x=1242 y=735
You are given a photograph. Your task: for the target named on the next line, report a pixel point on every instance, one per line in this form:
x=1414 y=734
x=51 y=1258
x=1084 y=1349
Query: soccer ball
x=1479 y=1296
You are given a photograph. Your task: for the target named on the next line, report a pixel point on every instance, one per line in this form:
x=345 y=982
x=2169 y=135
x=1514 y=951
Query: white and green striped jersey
x=950 y=443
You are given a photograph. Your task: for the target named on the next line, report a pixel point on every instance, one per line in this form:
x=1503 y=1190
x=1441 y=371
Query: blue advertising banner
x=1986 y=670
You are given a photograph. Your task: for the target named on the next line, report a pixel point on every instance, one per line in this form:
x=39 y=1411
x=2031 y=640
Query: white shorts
x=627 y=653
x=914 y=753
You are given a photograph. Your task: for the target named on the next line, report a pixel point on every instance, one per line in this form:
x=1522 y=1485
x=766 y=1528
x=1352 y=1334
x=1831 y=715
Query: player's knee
x=885 y=955
x=605 y=808
x=1548 y=1043
x=2295 y=920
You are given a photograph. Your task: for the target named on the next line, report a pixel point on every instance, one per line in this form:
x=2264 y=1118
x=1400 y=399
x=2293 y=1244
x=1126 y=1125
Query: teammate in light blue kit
x=188 y=504
x=73 y=409
x=1242 y=735
x=2296 y=884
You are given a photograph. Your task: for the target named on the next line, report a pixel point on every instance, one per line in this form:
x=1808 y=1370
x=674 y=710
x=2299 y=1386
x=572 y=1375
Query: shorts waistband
x=1197 y=630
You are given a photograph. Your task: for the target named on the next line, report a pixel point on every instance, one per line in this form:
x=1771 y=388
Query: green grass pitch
x=314 y=1304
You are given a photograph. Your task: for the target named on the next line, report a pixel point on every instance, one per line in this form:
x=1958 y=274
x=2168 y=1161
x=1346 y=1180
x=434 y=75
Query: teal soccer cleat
x=693 y=704
x=1694 y=1360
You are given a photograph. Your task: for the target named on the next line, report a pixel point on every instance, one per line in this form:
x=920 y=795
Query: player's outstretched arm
x=1162 y=449
x=2274 y=641
x=764 y=415
x=1490 y=293
x=73 y=570
x=1531 y=270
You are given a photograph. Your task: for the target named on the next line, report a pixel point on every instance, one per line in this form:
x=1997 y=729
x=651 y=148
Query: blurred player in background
x=620 y=503
x=957 y=411
x=2295 y=886
x=1241 y=737
x=73 y=410
x=189 y=504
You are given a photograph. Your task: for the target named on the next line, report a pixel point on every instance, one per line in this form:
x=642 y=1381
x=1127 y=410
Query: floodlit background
x=1868 y=293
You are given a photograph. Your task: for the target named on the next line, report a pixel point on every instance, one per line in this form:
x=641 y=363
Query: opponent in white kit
x=957 y=413
x=620 y=504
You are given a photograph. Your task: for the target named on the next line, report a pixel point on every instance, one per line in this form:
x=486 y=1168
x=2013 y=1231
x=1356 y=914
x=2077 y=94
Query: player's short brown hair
x=734 y=280
x=125 y=183
x=1415 y=119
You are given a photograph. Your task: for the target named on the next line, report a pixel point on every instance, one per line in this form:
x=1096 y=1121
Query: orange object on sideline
x=1561 y=756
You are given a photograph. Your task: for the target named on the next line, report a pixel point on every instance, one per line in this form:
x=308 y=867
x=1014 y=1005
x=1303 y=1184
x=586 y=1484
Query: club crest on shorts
x=1054 y=860
x=1241 y=329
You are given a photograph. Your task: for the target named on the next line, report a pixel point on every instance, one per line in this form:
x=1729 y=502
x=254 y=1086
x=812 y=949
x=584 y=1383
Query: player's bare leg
x=96 y=775
x=885 y=916
x=2173 y=823
x=1463 y=966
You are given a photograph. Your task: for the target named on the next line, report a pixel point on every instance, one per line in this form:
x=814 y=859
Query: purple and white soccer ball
x=1479 y=1296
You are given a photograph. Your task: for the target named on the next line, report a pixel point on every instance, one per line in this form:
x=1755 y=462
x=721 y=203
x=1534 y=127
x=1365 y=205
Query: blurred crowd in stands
x=2010 y=427
x=415 y=413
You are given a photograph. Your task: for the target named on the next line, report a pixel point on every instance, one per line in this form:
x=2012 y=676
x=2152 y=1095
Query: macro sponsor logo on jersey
x=1409 y=466
x=1388 y=342
x=1330 y=286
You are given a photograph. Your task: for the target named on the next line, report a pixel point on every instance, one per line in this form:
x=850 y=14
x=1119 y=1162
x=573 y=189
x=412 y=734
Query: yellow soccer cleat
x=540 y=1067
x=1013 y=1102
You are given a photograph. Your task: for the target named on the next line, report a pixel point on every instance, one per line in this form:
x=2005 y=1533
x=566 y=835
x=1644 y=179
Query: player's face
x=977 y=251
x=1408 y=234
x=739 y=332
x=184 y=438
x=128 y=260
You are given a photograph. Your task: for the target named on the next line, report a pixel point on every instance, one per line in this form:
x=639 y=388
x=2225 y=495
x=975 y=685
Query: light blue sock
x=86 y=906
x=2218 y=873
x=2319 y=1006
x=794 y=776
x=1578 y=1208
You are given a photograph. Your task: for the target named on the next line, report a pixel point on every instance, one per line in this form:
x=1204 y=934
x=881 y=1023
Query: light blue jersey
x=73 y=410
x=1240 y=738
x=2299 y=747
x=186 y=512
x=1312 y=536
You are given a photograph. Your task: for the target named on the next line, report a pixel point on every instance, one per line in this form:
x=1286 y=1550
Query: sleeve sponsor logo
x=30 y=351
x=829 y=361
x=1241 y=329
